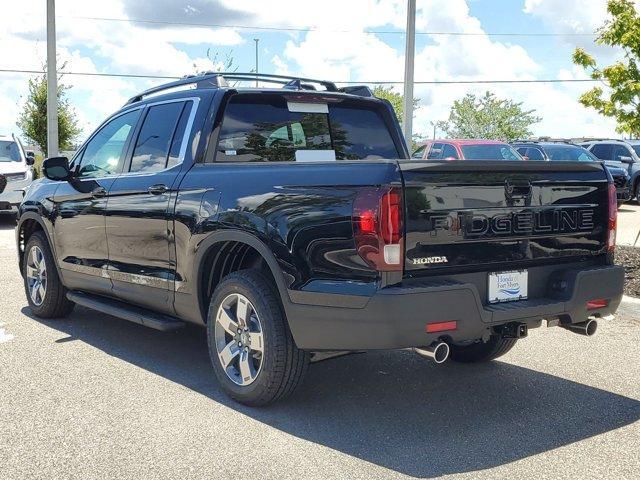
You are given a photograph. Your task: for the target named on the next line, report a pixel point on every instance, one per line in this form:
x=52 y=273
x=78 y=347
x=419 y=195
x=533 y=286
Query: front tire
x=253 y=354
x=482 y=352
x=46 y=295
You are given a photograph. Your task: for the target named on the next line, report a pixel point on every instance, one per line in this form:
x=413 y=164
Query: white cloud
x=95 y=46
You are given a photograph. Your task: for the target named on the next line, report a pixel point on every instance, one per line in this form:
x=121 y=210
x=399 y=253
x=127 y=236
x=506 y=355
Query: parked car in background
x=15 y=166
x=453 y=149
x=564 y=151
x=621 y=153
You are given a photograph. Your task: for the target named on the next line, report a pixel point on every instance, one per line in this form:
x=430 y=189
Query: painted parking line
x=4 y=336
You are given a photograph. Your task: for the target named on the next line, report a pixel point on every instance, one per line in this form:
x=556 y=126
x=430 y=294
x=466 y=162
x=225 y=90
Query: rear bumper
x=396 y=317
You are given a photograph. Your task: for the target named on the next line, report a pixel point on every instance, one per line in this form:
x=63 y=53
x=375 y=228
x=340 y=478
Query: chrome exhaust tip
x=437 y=351
x=587 y=328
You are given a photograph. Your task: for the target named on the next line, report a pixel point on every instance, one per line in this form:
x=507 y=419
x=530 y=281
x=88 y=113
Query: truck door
x=139 y=225
x=80 y=204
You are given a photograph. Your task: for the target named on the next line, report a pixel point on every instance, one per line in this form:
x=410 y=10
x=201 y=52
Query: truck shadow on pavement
x=392 y=409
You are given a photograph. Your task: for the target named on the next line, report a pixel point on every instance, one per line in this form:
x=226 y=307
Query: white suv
x=15 y=165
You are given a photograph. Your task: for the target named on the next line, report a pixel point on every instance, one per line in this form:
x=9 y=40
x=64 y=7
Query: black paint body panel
x=149 y=249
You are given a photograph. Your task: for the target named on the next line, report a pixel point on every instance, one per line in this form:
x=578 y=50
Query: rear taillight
x=377 y=227
x=613 y=218
x=598 y=303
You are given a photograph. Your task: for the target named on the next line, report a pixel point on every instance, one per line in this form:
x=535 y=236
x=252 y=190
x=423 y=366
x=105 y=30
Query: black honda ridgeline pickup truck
x=293 y=225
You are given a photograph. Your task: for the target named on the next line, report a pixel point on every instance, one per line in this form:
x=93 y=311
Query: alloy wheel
x=36 y=275
x=239 y=340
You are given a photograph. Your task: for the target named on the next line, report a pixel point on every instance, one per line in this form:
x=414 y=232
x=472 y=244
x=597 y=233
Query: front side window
x=262 y=128
x=620 y=151
x=569 y=153
x=154 y=140
x=419 y=152
x=603 y=151
x=531 y=153
x=449 y=152
x=435 y=152
x=104 y=153
x=9 y=151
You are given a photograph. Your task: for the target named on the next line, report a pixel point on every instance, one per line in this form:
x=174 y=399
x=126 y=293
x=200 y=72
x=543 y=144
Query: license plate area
x=508 y=286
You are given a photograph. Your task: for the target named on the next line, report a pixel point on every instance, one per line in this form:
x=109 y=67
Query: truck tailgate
x=465 y=216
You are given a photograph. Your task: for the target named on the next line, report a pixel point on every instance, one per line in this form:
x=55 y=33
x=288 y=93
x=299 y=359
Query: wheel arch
x=28 y=224
x=228 y=251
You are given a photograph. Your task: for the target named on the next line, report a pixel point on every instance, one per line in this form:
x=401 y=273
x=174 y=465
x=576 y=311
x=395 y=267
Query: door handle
x=99 y=192
x=157 y=189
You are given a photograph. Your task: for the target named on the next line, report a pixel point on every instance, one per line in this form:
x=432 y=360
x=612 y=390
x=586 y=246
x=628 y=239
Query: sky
x=341 y=41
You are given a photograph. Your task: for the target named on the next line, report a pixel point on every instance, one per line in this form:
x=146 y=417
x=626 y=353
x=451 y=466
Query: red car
x=452 y=149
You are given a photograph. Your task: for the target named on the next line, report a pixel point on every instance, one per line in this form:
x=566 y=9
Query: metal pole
x=256 y=40
x=409 y=53
x=52 y=82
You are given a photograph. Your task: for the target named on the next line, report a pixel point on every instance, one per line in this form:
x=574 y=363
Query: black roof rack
x=219 y=80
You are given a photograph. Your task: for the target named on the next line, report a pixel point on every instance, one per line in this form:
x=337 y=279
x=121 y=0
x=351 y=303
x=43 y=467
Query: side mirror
x=56 y=168
x=30 y=158
x=625 y=159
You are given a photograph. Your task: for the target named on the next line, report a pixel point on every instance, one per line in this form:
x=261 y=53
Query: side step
x=126 y=311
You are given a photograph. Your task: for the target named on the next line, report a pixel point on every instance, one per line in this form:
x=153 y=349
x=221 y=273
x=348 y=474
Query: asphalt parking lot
x=98 y=397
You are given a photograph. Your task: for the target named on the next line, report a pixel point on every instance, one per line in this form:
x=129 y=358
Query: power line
x=313 y=29
x=348 y=82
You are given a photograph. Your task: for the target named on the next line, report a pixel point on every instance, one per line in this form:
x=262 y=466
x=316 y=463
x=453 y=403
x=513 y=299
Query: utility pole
x=256 y=40
x=409 y=53
x=52 y=82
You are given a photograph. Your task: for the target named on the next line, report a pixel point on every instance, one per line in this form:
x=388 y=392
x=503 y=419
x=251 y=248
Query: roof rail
x=219 y=79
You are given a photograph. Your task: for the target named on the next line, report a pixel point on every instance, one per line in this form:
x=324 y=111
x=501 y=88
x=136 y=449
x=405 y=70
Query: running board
x=126 y=311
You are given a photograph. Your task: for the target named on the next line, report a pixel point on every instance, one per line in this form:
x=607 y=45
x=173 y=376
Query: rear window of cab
x=268 y=128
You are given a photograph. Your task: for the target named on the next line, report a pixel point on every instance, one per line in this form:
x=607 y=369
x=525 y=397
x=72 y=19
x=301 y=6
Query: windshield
x=490 y=152
x=9 y=151
x=636 y=148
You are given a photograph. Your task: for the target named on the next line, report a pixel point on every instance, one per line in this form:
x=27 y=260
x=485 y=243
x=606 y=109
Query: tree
x=488 y=117
x=396 y=99
x=33 y=118
x=622 y=100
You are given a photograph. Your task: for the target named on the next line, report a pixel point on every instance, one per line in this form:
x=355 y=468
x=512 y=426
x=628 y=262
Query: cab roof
x=219 y=80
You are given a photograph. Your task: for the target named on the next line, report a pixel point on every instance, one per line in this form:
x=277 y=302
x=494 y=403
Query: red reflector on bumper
x=593 y=304
x=441 y=326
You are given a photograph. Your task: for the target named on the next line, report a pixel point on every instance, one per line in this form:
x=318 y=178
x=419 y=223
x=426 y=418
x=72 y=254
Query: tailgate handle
x=514 y=188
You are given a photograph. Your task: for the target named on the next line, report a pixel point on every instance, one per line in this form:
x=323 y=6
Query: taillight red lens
x=595 y=304
x=378 y=227
x=613 y=218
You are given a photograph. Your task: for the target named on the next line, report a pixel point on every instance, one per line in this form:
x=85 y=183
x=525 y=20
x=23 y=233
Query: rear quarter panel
x=300 y=211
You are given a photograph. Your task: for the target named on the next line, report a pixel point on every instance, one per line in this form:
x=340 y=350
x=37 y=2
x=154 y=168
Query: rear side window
x=262 y=128
x=154 y=140
x=603 y=151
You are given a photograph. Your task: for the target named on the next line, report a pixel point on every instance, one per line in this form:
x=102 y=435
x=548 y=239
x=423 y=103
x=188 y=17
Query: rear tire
x=482 y=352
x=251 y=348
x=46 y=295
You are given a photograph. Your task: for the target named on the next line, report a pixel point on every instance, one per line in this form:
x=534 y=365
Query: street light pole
x=409 y=53
x=52 y=82
x=256 y=40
